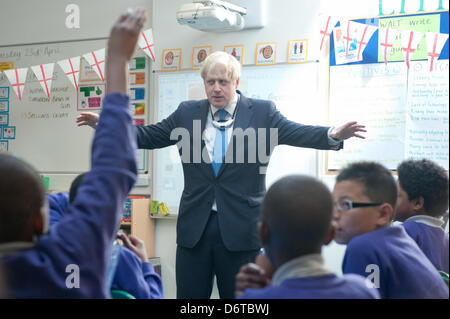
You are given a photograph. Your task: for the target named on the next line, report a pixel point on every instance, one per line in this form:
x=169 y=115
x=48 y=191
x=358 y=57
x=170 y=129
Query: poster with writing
x=422 y=23
x=90 y=96
x=427 y=132
x=375 y=95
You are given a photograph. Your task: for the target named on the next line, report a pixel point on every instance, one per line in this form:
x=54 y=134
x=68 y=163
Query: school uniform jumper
x=431 y=238
x=305 y=278
x=392 y=261
x=130 y=274
x=71 y=261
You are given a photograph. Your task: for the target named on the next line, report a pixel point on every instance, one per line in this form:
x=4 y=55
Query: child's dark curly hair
x=427 y=179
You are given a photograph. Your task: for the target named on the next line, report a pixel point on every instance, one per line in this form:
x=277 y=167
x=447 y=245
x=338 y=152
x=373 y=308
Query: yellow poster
x=6 y=66
x=422 y=23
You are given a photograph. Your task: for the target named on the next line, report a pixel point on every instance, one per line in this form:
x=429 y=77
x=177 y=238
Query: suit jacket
x=239 y=186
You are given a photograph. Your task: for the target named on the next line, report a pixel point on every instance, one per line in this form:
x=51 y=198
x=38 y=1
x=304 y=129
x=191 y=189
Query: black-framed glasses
x=346 y=205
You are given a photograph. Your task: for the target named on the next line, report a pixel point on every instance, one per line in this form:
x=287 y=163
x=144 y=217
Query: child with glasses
x=365 y=196
x=422 y=200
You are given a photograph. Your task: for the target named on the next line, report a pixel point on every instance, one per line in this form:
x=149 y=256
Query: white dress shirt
x=209 y=134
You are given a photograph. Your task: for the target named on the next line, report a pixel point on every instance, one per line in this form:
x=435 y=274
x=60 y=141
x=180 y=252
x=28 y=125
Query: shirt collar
x=13 y=248
x=427 y=220
x=305 y=266
x=229 y=108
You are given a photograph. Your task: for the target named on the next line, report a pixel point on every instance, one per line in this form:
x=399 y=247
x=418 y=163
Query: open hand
x=347 y=130
x=88 y=118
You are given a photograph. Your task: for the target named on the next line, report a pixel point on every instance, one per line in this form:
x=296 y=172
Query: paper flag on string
x=348 y=36
x=96 y=60
x=145 y=42
x=386 y=38
x=17 y=79
x=44 y=74
x=410 y=40
x=71 y=68
x=364 y=33
x=327 y=24
x=435 y=43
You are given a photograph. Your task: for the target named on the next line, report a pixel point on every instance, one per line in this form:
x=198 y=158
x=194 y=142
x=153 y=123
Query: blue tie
x=220 y=144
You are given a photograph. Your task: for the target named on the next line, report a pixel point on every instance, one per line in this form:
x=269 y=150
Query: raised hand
x=121 y=46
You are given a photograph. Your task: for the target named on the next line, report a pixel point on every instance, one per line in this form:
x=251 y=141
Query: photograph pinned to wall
x=4 y=106
x=6 y=66
x=90 y=96
x=297 y=51
x=139 y=121
x=235 y=50
x=137 y=78
x=345 y=43
x=3 y=146
x=137 y=63
x=137 y=93
x=4 y=119
x=87 y=73
x=199 y=54
x=138 y=108
x=4 y=92
x=9 y=132
x=171 y=60
x=266 y=53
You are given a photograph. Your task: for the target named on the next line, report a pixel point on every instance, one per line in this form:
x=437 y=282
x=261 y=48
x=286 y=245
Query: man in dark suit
x=225 y=143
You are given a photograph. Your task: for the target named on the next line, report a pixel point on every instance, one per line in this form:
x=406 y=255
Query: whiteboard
x=294 y=90
x=46 y=134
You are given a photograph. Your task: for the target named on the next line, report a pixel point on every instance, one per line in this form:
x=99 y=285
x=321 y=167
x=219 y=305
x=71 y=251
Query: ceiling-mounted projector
x=212 y=15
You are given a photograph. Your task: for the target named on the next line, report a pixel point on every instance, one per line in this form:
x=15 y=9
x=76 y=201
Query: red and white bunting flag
x=146 y=43
x=17 y=79
x=410 y=40
x=96 y=60
x=364 y=33
x=44 y=73
x=71 y=68
x=435 y=43
x=347 y=33
x=386 y=38
x=327 y=24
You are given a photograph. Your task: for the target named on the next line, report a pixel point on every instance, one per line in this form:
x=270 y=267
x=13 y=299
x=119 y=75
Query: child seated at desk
x=131 y=272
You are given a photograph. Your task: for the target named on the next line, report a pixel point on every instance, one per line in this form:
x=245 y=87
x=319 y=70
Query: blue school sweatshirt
x=136 y=277
x=71 y=261
x=322 y=287
x=393 y=261
x=432 y=240
x=57 y=205
x=131 y=274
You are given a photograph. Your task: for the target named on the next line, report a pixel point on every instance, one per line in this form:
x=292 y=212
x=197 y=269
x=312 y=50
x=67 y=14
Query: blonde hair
x=222 y=58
